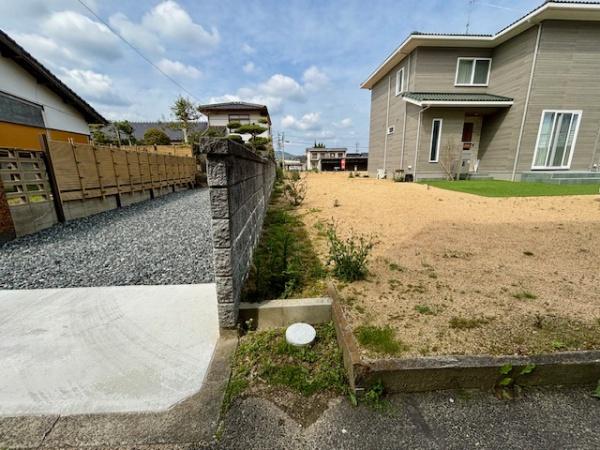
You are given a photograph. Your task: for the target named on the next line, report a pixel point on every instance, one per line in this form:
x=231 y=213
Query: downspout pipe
x=518 y=151
x=387 y=126
x=418 y=140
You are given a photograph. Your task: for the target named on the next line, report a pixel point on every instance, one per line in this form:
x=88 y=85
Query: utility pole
x=471 y=4
x=281 y=147
x=357 y=145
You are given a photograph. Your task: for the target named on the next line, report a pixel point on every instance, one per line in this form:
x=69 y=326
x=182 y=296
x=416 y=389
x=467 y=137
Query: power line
x=135 y=49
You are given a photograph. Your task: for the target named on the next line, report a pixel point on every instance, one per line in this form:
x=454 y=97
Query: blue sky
x=304 y=59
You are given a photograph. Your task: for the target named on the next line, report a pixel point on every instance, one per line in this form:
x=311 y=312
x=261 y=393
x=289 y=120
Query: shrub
x=349 y=256
x=295 y=191
x=234 y=125
x=154 y=136
x=236 y=138
x=295 y=176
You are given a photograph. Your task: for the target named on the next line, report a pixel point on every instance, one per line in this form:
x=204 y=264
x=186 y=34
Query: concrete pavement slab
x=104 y=349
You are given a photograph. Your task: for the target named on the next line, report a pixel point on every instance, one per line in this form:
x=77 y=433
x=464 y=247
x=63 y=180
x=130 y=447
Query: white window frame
x=439 y=141
x=579 y=112
x=400 y=82
x=391 y=129
x=474 y=59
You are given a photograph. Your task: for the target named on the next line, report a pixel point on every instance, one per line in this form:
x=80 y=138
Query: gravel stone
x=163 y=241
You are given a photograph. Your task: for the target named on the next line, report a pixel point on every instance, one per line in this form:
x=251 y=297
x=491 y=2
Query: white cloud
x=81 y=34
x=314 y=78
x=92 y=85
x=248 y=49
x=308 y=122
x=178 y=69
x=171 y=21
x=282 y=86
x=344 y=123
x=249 y=67
x=141 y=37
x=45 y=49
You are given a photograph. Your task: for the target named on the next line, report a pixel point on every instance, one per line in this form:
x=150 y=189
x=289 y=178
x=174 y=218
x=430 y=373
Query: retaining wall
x=240 y=183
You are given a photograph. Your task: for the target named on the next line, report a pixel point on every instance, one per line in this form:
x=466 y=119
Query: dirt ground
x=456 y=273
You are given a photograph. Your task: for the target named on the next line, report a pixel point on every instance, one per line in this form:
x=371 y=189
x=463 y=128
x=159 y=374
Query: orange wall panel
x=20 y=136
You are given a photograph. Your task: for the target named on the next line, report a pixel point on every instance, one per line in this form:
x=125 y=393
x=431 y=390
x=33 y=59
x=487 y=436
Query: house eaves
x=10 y=49
x=550 y=10
x=454 y=99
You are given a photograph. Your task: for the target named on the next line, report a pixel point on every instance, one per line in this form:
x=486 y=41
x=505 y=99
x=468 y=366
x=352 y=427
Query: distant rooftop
x=233 y=106
x=175 y=134
x=327 y=149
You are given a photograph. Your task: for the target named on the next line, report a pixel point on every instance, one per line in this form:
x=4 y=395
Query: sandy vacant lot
x=456 y=273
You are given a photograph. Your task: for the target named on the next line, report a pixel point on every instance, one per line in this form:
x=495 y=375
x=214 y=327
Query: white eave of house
x=551 y=10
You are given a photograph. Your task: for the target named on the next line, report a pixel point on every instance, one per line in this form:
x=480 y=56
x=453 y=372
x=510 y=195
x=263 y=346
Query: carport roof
x=456 y=99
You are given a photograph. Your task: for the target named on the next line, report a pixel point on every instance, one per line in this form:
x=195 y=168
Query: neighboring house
x=356 y=161
x=293 y=165
x=326 y=159
x=523 y=103
x=221 y=114
x=33 y=102
x=140 y=128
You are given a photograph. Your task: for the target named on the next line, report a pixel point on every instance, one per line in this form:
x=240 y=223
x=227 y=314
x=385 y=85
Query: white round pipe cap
x=300 y=334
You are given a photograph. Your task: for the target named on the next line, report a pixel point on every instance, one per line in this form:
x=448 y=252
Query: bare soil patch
x=455 y=273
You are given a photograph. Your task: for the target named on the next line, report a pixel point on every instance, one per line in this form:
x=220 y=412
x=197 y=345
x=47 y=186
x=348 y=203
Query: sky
x=304 y=59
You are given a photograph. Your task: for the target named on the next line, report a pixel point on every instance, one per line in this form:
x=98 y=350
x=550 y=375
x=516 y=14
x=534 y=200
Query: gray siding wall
x=511 y=69
x=436 y=68
x=452 y=126
x=378 y=128
x=567 y=76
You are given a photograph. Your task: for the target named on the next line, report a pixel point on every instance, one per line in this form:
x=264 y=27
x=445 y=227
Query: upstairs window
x=16 y=110
x=239 y=118
x=473 y=71
x=400 y=81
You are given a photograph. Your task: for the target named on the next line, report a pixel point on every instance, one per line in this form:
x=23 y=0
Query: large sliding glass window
x=556 y=139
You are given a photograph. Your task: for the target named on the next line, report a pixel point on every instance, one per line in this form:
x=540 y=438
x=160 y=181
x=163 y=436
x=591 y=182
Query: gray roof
x=233 y=106
x=455 y=97
x=357 y=155
x=10 y=49
x=327 y=149
x=175 y=134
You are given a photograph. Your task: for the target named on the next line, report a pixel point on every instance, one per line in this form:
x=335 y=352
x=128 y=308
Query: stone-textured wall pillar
x=240 y=184
x=7 y=227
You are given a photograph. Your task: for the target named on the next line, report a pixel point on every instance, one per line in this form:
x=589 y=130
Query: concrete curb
x=192 y=422
x=454 y=372
x=284 y=312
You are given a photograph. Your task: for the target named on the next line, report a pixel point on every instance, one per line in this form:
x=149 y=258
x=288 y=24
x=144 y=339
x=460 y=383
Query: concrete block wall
x=7 y=227
x=240 y=183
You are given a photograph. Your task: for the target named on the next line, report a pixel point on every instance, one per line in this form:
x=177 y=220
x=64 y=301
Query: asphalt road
x=542 y=419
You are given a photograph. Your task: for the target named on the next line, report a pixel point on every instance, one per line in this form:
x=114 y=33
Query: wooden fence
x=174 y=150
x=85 y=171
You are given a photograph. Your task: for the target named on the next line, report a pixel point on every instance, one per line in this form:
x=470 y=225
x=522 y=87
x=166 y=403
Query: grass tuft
x=463 y=323
x=524 y=295
x=379 y=339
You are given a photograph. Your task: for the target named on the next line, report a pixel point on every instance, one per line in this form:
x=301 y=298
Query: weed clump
x=463 y=323
x=349 y=256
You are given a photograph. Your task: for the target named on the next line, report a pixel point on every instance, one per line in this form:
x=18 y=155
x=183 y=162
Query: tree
x=319 y=145
x=253 y=130
x=98 y=134
x=123 y=126
x=185 y=112
x=450 y=160
x=154 y=136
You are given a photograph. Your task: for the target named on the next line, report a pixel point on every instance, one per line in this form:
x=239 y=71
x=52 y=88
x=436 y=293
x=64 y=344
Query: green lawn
x=497 y=188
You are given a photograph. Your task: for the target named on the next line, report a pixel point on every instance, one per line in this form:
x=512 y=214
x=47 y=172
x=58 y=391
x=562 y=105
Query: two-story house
x=521 y=104
x=220 y=115
x=327 y=159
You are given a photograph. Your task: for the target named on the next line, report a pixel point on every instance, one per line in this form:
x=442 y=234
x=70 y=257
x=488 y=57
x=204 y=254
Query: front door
x=467 y=135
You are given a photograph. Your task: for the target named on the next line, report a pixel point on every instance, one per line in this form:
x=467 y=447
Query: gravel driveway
x=162 y=241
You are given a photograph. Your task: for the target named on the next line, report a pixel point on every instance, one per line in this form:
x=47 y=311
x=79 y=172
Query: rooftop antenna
x=471 y=5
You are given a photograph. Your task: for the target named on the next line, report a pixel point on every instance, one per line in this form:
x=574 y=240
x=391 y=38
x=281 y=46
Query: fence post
x=98 y=174
x=48 y=161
